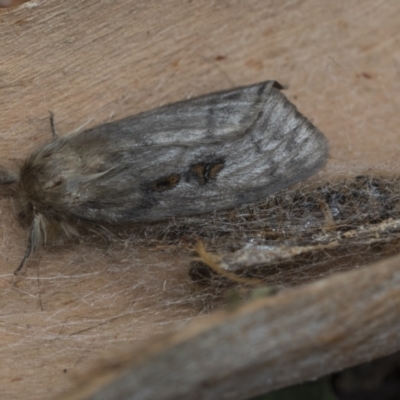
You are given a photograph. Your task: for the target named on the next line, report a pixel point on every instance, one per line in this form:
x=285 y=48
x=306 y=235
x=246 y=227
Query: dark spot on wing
x=165 y=183
x=205 y=172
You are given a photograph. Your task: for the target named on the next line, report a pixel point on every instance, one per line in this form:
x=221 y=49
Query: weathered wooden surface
x=94 y=61
x=270 y=343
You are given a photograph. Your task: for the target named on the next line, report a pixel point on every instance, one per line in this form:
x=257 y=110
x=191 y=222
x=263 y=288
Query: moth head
x=44 y=181
x=31 y=182
x=39 y=188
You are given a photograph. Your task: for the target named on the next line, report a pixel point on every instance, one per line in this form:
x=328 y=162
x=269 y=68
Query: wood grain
x=292 y=337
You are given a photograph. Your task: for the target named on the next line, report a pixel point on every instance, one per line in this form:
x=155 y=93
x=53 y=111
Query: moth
x=213 y=152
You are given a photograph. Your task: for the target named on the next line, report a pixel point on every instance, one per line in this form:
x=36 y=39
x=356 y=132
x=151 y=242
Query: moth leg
x=53 y=125
x=35 y=238
x=28 y=250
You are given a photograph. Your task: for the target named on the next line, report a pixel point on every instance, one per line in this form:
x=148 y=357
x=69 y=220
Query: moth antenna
x=33 y=241
x=53 y=125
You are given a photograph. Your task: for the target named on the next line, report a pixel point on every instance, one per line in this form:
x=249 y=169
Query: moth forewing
x=209 y=153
